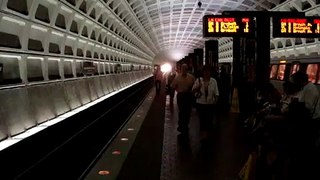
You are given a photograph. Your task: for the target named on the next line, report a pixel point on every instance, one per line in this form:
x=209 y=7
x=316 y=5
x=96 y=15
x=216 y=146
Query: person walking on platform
x=183 y=83
x=157 y=78
x=207 y=89
x=170 y=91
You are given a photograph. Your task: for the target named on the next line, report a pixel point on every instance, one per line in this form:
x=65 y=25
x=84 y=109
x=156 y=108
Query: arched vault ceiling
x=177 y=24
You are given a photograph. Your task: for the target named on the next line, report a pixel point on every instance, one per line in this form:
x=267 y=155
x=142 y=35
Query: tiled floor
x=221 y=158
x=157 y=153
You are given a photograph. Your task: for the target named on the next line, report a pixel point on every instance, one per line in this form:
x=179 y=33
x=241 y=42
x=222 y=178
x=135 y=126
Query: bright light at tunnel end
x=166 y=68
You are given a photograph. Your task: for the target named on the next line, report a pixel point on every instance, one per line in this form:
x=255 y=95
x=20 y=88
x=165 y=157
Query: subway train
x=280 y=70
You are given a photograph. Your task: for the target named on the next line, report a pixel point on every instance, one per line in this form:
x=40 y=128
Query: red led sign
x=307 y=27
x=226 y=26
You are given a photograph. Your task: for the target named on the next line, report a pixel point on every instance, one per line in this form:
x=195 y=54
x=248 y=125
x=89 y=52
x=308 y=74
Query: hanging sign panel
x=227 y=26
x=304 y=27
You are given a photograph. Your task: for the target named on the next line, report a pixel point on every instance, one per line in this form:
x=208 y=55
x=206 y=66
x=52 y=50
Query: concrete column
x=262 y=50
x=198 y=61
x=212 y=56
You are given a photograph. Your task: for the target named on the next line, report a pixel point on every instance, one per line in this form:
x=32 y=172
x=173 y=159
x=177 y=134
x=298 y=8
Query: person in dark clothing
x=170 y=91
x=224 y=84
x=271 y=95
x=158 y=78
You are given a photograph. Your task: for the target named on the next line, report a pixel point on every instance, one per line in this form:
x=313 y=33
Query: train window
x=273 y=72
x=295 y=68
x=281 y=69
x=42 y=14
x=18 y=5
x=35 y=45
x=9 y=40
x=79 y=68
x=53 y=69
x=34 y=69
x=67 y=68
x=9 y=73
x=312 y=70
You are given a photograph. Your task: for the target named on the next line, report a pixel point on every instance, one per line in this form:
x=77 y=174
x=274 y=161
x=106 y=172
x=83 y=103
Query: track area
x=65 y=150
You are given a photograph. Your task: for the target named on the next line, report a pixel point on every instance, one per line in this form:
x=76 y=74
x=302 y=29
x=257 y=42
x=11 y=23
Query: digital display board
x=304 y=27
x=227 y=26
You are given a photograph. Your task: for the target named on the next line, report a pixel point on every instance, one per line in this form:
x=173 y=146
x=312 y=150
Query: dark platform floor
x=220 y=159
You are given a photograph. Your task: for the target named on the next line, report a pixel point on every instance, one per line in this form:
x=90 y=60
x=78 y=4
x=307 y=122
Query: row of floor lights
x=116 y=152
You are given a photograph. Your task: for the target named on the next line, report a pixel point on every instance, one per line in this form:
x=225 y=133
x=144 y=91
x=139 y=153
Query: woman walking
x=207 y=93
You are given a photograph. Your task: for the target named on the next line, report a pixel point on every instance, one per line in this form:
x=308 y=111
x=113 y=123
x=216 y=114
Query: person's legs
x=185 y=107
x=206 y=120
x=158 y=86
x=171 y=95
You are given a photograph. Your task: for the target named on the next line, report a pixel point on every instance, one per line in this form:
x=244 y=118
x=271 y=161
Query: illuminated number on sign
x=210 y=25
x=227 y=26
x=246 y=21
x=217 y=26
x=304 y=27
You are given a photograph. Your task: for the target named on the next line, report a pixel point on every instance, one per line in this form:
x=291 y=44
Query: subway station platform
x=157 y=152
